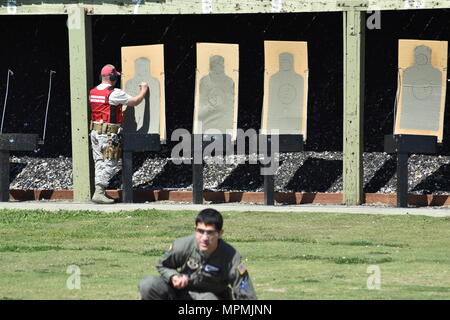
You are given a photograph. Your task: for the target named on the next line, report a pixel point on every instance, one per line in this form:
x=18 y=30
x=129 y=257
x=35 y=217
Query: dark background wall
x=34 y=45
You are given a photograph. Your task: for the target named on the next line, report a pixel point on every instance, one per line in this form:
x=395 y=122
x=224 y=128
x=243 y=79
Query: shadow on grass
x=426 y=288
x=27 y=249
x=337 y=260
x=153 y=253
x=17 y=248
x=364 y=243
x=267 y=239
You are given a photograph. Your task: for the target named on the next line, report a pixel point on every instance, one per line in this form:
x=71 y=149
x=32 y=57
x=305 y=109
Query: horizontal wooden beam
x=130 y=7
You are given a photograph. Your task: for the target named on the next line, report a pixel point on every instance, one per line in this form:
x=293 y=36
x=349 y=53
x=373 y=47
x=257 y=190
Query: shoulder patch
x=242 y=268
x=244 y=286
x=192 y=263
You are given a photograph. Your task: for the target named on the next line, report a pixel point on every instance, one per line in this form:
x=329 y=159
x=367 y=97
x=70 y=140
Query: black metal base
x=403 y=145
x=269 y=188
x=197 y=183
x=408 y=143
x=286 y=143
x=138 y=142
x=213 y=145
x=12 y=142
x=402 y=180
x=18 y=141
x=134 y=142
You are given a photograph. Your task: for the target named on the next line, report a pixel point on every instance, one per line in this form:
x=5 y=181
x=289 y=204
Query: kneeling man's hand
x=180 y=281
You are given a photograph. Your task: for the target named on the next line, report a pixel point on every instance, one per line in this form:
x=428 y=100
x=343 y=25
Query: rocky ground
x=299 y=172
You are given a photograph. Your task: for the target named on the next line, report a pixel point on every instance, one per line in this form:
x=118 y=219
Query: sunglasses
x=208 y=232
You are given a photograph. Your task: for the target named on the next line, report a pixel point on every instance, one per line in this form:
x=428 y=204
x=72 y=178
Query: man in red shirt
x=106 y=119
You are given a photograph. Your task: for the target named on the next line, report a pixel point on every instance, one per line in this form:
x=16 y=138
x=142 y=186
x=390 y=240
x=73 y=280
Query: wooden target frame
x=154 y=53
x=272 y=51
x=405 y=60
x=230 y=53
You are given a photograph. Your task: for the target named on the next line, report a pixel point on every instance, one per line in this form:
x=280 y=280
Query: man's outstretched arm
x=136 y=100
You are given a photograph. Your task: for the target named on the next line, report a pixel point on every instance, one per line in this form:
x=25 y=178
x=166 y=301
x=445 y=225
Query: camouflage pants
x=105 y=169
x=155 y=288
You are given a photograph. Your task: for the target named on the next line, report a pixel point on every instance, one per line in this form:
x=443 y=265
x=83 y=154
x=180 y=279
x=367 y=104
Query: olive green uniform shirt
x=208 y=273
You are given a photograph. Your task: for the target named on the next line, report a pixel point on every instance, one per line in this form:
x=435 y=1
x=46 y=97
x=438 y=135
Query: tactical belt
x=103 y=128
x=112 y=151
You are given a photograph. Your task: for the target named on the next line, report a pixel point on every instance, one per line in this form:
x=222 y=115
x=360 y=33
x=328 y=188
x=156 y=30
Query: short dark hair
x=210 y=216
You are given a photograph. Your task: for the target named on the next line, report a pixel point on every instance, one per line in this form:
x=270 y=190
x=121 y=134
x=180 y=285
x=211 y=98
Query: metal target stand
x=287 y=143
x=199 y=143
x=403 y=145
x=134 y=142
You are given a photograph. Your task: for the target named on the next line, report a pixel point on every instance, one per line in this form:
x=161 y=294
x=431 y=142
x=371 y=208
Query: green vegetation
x=289 y=255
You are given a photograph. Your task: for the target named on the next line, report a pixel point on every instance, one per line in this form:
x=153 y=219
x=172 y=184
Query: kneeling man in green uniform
x=200 y=267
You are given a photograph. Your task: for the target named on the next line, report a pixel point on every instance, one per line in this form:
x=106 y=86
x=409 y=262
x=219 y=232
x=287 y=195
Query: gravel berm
x=297 y=172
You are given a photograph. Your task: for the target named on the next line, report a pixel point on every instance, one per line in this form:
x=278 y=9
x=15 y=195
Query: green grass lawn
x=289 y=255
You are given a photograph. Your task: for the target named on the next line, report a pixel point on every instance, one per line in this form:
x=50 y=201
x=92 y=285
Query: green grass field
x=289 y=255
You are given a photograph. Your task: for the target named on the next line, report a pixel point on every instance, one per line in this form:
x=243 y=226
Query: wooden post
x=80 y=54
x=354 y=34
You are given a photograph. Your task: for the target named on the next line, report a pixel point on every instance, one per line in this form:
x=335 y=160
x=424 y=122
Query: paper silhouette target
x=422 y=87
x=144 y=64
x=285 y=88
x=216 y=88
